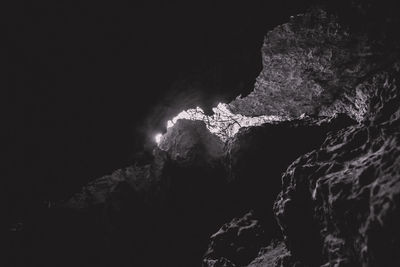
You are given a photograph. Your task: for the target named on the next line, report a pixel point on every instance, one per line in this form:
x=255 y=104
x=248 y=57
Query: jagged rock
x=237 y=242
x=221 y=262
x=188 y=144
x=311 y=65
x=145 y=179
x=244 y=242
x=257 y=156
x=275 y=255
x=251 y=175
x=198 y=183
x=340 y=203
x=152 y=207
x=190 y=141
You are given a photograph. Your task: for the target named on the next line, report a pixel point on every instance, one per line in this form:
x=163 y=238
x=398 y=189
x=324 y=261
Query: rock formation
x=339 y=203
x=196 y=181
x=320 y=189
x=310 y=65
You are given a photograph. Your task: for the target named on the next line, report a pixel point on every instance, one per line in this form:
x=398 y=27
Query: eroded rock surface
x=190 y=141
x=340 y=203
x=198 y=181
x=311 y=65
x=336 y=204
x=152 y=207
x=256 y=157
x=237 y=242
x=275 y=255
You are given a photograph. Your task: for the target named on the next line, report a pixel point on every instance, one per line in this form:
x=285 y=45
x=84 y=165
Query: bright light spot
x=158 y=137
x=222 y=123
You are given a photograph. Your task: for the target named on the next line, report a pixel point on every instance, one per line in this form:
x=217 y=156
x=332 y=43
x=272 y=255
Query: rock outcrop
x=340 y=203
x=309 y=66
x=237 y=242
x=323 y=188
x=197 y=181
x=314 y=65
x=152 y=208
x=190 y=141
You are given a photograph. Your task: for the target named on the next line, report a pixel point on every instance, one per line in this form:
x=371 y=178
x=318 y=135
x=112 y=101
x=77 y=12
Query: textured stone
x=197 y=181
x=275 y=255
x=340 y=203
x=190 y=141
x=142 y=178
x=237 y=242
x=257 y=156
x=244 y=241
x=311 y=65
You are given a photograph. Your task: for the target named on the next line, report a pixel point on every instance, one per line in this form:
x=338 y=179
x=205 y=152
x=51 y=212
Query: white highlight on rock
x=157 y=138
x=223 y=122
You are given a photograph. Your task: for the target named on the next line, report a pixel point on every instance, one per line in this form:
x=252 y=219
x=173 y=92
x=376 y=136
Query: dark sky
x=84 y=79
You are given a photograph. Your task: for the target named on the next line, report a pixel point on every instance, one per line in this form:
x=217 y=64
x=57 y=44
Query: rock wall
x=323 y=188
x=339 y=203
x=348 y=190
x=171 y=204
x=311 y=65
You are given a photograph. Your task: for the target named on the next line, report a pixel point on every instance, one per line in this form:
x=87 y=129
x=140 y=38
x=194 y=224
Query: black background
x=88 y=82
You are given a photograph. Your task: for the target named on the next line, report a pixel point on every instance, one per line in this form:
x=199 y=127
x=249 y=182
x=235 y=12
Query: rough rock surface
x=340 y=203
x=244 y=241
x=151 y=207
x=278 y=143
x=237 y=242
x=275 y=255
x=144 y=178
x=311 y=65
x=202 y=183
x=336 y=204
x=190 y=141
x=256 y=157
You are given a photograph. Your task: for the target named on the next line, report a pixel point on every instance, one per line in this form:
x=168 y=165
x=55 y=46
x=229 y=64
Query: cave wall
x=321 y=189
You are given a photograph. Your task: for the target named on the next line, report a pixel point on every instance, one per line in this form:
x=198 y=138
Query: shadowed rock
x=311 y=65
x=337 y=204
x=340 y=203
x=190 y=141
x=236 y=242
